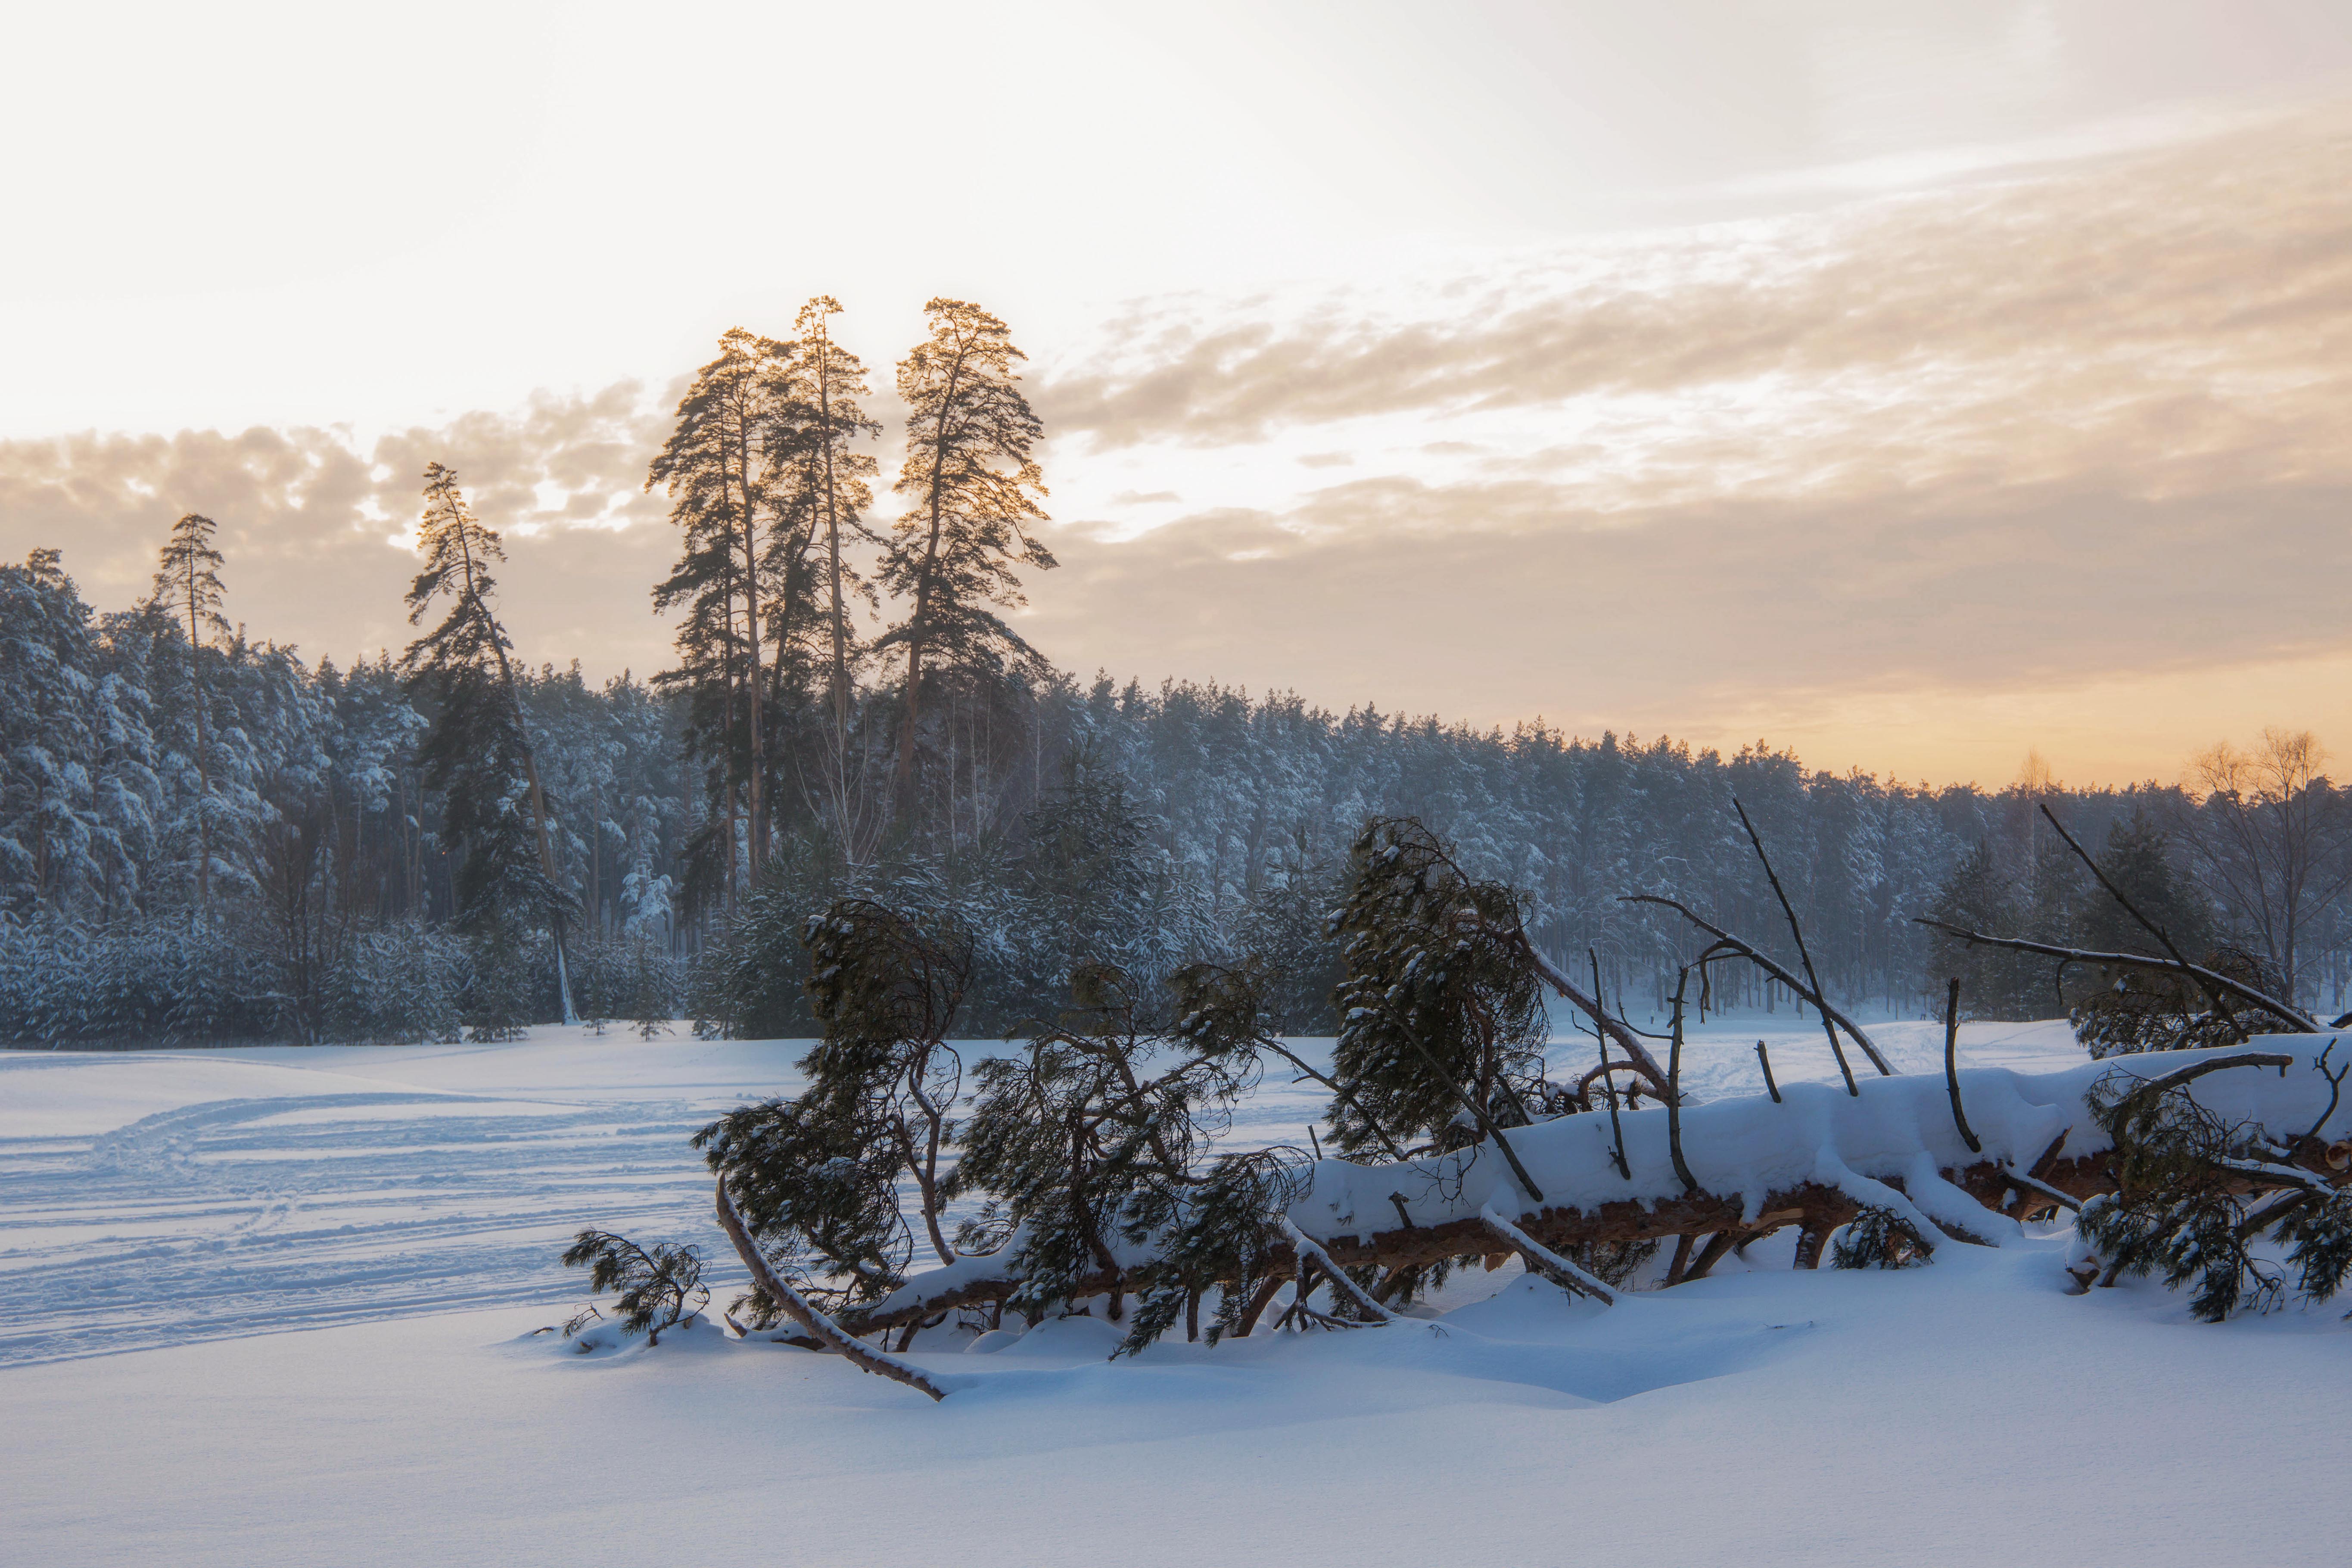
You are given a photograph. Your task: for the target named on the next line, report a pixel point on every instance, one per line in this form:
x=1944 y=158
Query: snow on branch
x=819 y=1327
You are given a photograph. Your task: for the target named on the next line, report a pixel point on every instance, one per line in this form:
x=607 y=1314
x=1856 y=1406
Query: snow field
x=167 y=1218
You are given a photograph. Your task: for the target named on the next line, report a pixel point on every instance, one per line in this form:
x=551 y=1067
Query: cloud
x=1917 y=481
x=1975 y=616
x=315 y=529
x=1957 y=456
x=2218 y=271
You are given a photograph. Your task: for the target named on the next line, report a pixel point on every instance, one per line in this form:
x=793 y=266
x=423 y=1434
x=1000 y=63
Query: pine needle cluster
x=659 y=1289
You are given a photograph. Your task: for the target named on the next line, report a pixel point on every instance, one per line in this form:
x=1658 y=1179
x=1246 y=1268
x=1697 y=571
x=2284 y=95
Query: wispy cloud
x=2200 y=281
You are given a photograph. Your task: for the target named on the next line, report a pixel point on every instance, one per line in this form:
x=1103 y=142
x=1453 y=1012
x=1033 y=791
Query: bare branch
x=1591 y=1006
x=2300 y=1022
x=2221 y=1001
x=1777 y=970
x=2026 y=1184
x=1804 y=955
x=1307 y=1249
x=1952 y=1064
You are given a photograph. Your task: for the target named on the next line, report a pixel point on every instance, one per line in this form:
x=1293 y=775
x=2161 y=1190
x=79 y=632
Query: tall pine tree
x=724 y=466
x=971 y=486
x=834 y=484
x=479 y=750
x=188 y=584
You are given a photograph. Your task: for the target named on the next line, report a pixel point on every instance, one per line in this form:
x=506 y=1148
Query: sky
x=1909 y=384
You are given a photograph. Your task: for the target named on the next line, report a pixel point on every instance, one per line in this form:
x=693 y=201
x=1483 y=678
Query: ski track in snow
x=454 y=1180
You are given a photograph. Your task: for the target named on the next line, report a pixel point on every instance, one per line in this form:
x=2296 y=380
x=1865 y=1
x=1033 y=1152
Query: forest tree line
x=204 y=837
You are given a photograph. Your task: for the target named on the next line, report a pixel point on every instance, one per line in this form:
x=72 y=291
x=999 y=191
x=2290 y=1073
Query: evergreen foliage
x=2199 y=1197
x=327 y=821
x=970 y=484
x=2124 y=1010
x=188 y=586
x=1877 y=1238
x=823 y=1206
x=1980 y=896
x=727 y=466
x=816 y=1179
x=1441 y=1015
x=477 y=754
x=1088 y=1140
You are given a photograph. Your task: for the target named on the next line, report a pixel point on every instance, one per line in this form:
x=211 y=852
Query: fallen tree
x=1099 y=1148
x=1814 y=1161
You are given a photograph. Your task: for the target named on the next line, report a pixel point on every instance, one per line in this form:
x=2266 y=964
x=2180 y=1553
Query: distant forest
x=204 y=837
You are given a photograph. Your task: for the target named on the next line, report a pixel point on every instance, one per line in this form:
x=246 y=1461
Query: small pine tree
x=1084 y=880
x=659 y=1289
x=1877 y=1238
x=1978 y=896
x=2124 y=1009
x=651 y=1000
x=1285 y=931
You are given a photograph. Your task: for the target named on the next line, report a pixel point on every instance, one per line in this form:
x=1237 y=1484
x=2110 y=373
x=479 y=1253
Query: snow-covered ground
x=274 y=1306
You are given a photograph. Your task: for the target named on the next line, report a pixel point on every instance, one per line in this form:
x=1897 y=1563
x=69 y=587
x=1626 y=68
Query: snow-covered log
x=1814 y=1159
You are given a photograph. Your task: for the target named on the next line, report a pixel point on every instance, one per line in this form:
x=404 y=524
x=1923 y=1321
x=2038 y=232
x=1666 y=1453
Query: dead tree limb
x=1804 y=953
x=1952 y=1064
x=1616 y=1127
x=1258 y=1303
x=2026 y=1184
x=865 y=1357
x=1396 y=1149
x=2221 y=1001
x=1542 y=1260
x=1778 y=972
x=1308 y=1249
x=2298 y=1021
x=1719 y=1246
x=1591 y=1006
x=2154 y=1085
x=1674 y=1091
x=1820 y=1219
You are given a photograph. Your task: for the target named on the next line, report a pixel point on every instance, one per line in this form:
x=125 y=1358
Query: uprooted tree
x=1102 y=1172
